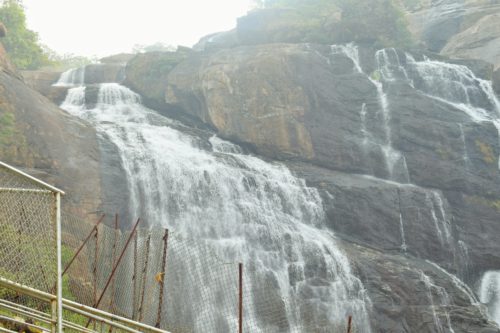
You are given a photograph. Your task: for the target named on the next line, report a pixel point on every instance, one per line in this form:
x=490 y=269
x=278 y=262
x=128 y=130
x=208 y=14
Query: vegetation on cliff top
x=21 y=43
x=381 y=22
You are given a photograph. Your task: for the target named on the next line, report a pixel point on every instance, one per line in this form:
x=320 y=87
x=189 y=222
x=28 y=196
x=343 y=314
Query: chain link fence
x=155 y=276
x=28 y=246
x=161 y=279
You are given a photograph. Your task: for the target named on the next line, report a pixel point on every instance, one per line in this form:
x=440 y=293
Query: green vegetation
x=21 y=43
x=7 y=128
x=380 y=22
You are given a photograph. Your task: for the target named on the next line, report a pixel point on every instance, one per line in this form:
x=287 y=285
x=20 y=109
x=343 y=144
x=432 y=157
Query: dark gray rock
x=411 y=295
x=219 y=40
x=104 y=73
x=496 y=82
x=312 y=108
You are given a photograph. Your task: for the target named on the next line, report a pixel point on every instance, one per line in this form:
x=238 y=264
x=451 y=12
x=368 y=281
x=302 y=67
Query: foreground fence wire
x=179 y=284
x=156 y=276
x=27 y=226
x=30 y=237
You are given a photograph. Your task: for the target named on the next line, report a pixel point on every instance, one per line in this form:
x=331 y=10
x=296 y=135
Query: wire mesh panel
x=28 y=245
x=181 y=284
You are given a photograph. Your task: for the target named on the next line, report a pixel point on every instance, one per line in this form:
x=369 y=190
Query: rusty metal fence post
x=161 y=278
x=240 y=298
x=349 y=324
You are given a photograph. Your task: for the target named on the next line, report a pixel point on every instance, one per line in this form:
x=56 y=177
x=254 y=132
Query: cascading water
x=465 y=154
x=489 y=293
x=390 y=69
x=457 y=86
x=71 y=78
x=438 y=297
x=245 y=208
x=441 y=223
x=395 y=160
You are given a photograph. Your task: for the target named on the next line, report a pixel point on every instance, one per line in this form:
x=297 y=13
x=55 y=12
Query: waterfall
x=438 y=297
x=489 y=294
x=441 y=223
x=457 y=86
x=247 y=209
x=465 y=154
x=394 y=159
x=404 y=247
x=71 y=78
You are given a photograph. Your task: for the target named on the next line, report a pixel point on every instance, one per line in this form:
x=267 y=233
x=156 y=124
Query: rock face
x=461 y=29
x=407 y=166
x=480 y=41
x=104 y=73
x=496 y=81
x=403 y=147
x=218 y=92
x=48 y=143
x=41 y=81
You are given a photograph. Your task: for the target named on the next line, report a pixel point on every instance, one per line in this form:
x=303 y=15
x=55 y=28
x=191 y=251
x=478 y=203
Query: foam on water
x=249 y=210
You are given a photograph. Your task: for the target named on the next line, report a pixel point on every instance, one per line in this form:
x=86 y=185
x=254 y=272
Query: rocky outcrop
x=104 y=73
x=480 y=41
x=215 y=96
x=147 y=74
x=120 y=58
x=306 y=102
x=411 y=295
x=48 y=143
x=42 y=81
x=461 y=29
x=46 y=81
x=406 y=172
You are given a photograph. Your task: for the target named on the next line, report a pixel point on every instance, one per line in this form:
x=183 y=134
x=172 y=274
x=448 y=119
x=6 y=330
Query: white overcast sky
x=104 y=27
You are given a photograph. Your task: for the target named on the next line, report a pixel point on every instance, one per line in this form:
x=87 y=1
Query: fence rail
x=105 y=320
x=30 y=225
x=135 y=280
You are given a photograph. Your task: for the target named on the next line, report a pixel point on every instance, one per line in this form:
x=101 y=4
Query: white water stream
x=249 y=210
x=489 y=294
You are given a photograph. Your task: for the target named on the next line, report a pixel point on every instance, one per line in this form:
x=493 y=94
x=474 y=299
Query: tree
x=339 y=21
x=21 y=43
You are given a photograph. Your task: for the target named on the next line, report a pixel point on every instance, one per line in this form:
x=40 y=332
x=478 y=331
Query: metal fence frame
x=114 y=321
x=56 y=303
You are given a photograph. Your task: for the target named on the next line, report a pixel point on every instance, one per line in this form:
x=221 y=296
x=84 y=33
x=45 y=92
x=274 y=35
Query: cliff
x=401 y=142
x=45 y=141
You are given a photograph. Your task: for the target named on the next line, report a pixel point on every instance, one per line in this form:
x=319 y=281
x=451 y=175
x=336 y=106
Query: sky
x=105 y=27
